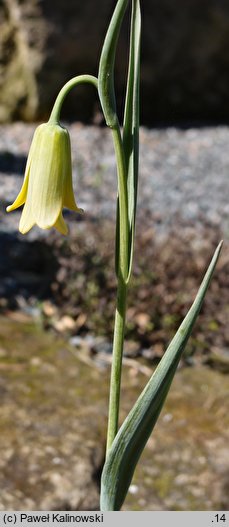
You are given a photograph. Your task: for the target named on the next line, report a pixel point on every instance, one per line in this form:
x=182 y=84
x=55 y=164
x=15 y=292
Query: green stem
x=80 y=79
x=123 y=230
x=108 y=103
x=116 y=368
x=122 y=268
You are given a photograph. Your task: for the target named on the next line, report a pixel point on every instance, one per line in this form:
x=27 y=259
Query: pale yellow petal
x=27 y=220
x=68 y=198
x=20 y=200
x=47 y=180
x=60 y=225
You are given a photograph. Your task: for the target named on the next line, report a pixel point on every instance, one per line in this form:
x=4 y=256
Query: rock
x=41 y=48
x=65 y=323
x=184 y=58
x=22 y=44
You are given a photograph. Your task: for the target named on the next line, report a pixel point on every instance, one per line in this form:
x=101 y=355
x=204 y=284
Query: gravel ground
x=183 y=174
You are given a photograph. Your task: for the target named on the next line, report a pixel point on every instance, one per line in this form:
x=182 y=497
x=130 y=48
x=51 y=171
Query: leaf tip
x=218 y=248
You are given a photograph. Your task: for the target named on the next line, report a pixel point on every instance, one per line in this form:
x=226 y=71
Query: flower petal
x=27 y=220
x=20 y=199
x=69 y=199
x=60 y=225
x=47 y=178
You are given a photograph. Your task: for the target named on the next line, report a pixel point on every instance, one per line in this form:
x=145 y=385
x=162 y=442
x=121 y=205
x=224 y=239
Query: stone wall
x=185 y=59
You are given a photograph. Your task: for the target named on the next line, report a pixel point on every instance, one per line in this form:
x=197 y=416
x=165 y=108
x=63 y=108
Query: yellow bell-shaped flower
x=47 y=185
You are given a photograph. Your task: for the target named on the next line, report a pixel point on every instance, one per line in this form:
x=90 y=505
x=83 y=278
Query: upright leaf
x=106 y=65
x=131 y=120
x=138 y=425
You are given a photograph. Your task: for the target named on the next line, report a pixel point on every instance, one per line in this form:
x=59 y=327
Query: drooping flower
x=47 y=185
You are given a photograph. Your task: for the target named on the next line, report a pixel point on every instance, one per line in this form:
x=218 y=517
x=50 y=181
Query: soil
x=53 y=426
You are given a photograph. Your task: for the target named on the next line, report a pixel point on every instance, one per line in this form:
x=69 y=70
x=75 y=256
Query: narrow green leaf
x=131 y=120
x=106 y=65
x=138 y=425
